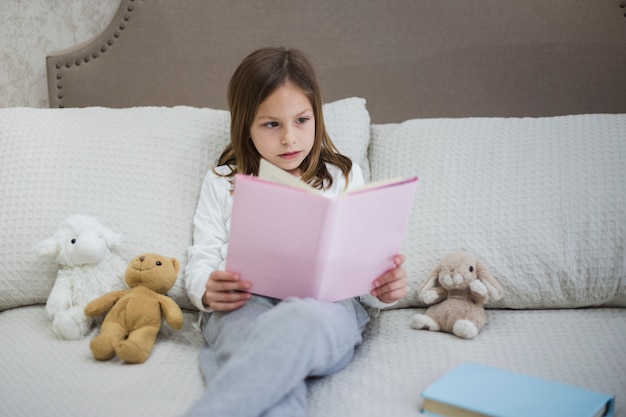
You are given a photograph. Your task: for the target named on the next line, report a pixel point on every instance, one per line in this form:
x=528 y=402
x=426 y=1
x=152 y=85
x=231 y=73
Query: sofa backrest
x=542 y=201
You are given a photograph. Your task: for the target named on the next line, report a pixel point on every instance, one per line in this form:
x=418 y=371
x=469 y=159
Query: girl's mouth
x=289 y=155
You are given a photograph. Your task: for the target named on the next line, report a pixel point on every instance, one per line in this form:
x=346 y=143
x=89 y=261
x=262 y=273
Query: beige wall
x=30 y=29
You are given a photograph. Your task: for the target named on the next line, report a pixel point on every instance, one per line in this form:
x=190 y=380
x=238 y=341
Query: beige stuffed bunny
x=456 y=291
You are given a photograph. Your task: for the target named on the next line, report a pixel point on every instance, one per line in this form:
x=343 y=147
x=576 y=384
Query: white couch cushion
x=137 y=170
x=541 y=200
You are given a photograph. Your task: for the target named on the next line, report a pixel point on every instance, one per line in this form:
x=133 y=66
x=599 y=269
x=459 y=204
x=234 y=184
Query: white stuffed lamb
x=87 y=269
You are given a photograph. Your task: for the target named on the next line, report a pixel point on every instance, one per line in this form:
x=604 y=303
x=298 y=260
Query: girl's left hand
x=392 y=285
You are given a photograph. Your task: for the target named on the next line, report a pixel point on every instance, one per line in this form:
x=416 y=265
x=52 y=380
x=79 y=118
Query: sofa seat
x=42 y=375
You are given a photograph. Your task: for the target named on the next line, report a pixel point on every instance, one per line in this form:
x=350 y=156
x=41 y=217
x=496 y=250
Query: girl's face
x=283 y=129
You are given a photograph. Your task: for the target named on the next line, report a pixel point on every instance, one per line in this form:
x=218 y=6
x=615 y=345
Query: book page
x=378 y=184
x=270 y=172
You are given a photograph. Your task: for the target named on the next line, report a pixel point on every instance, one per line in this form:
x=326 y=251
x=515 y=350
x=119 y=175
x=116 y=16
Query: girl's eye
x=302 y=120
x=271 y=124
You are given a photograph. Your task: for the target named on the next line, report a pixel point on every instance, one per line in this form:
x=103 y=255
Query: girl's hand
x=225 y=291
x=392 y=285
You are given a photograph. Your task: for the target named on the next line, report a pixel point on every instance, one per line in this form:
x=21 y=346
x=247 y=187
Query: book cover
x=293 y=241
x=475 y=390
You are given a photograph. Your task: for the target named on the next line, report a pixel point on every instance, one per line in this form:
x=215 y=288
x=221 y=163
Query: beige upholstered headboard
x=408 y=58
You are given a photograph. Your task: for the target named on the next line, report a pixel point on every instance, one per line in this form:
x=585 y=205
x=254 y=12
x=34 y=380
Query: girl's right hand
x=225 y=291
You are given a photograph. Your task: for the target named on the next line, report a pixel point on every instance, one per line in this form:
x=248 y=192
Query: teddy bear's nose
x=141 y=258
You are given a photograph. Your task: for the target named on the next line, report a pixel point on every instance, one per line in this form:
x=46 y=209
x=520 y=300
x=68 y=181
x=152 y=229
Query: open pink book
x=290 y=240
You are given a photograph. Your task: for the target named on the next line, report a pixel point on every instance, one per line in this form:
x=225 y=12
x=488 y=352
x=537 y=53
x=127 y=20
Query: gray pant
x=258 y=357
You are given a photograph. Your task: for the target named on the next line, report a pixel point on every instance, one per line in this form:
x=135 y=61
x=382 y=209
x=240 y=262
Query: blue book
x=474 y=390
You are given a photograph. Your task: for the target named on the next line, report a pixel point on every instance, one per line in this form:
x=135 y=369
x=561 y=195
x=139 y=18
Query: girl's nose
x=288 y=137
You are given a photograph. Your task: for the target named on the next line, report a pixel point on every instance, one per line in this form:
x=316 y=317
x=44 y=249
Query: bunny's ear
x=430 y=282
x=493 y=287
x=48 y=248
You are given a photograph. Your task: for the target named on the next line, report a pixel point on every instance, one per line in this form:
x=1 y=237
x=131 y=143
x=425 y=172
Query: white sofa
x=541 y=200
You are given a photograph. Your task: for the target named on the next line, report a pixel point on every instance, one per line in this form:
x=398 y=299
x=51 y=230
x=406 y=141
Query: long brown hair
x=258 y=76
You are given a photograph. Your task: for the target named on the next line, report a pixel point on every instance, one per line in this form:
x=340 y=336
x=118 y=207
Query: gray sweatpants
x=258 y=357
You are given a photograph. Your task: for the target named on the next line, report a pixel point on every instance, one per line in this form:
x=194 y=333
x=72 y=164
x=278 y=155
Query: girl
x=261 y=350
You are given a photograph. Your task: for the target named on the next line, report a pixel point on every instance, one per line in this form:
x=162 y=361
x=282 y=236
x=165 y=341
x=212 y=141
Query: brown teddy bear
x=456 y=291
x=130 y=327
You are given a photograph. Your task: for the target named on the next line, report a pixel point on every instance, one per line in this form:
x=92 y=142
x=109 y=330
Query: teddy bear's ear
x=176 y=264
x=47 y=248
x=484 y=274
